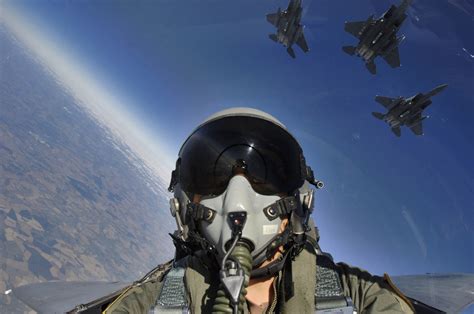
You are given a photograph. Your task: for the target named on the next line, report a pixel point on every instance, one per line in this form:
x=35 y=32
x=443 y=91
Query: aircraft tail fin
x=301 y=42
x=378 y=115
x=350 y=50
x=291 y=52
x=273 y=37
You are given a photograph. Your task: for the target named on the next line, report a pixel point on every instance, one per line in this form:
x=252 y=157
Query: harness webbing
x=329 y=295
x=172 y=298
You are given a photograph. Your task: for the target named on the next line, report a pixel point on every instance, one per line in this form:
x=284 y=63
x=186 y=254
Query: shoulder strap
x=329 y=295
x=173 y=297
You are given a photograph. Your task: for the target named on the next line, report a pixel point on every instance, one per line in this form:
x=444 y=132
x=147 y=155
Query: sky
x=153 y=70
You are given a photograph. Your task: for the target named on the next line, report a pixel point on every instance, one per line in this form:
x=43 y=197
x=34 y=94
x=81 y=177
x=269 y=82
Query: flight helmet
x=241 y=161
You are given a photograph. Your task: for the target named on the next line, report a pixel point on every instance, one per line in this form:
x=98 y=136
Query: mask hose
x=235 y=273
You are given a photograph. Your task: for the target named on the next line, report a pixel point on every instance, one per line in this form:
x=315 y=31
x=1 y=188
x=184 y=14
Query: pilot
x=246 y=242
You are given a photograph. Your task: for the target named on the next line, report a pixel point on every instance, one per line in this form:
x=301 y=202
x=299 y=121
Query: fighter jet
x=406 y=111
x=289 y=29
x=378 y=37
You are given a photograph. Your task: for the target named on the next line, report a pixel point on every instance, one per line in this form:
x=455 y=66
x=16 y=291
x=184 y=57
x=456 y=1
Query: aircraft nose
x=443 y=86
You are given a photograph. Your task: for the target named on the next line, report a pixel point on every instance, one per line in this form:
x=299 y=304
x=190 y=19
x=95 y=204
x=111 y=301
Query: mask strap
x=196 y=211
x=283 y=206
x=193 y=244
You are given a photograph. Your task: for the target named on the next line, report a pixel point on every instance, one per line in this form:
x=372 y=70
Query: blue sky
x=398 y=205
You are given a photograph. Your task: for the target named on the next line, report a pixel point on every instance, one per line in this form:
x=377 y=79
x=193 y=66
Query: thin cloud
x=416 y=232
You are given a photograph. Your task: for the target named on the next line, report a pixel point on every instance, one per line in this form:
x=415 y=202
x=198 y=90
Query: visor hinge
x=281 y=207
x=196 y=211
x=310 y=178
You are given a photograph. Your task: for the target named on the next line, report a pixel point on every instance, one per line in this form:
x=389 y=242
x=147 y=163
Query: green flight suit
x=370 y=294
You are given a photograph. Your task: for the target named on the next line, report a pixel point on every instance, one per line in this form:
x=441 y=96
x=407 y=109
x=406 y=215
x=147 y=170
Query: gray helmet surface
x=243 y=111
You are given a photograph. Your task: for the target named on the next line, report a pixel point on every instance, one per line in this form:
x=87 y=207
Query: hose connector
x=235 y=270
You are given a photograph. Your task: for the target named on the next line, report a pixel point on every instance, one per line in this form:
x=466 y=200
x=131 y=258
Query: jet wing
x=417 y=128
x=416 y=98
x=397 y=131
x=449 y=293
x=426 y=104
x=302 y=43
x=273 y=18
x=62 y=297
x=393 y=58
x=354 y=28
x=385 y=101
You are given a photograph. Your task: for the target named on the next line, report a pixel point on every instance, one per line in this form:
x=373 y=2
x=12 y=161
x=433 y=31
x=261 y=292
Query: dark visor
x=265 y=153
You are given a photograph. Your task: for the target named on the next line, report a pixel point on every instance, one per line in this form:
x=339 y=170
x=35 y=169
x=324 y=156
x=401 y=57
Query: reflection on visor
x=266 y=154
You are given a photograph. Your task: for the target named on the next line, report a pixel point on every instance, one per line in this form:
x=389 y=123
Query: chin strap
x=270 y=249
x=278 y=265
x=293 y=238
x=271 y=269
